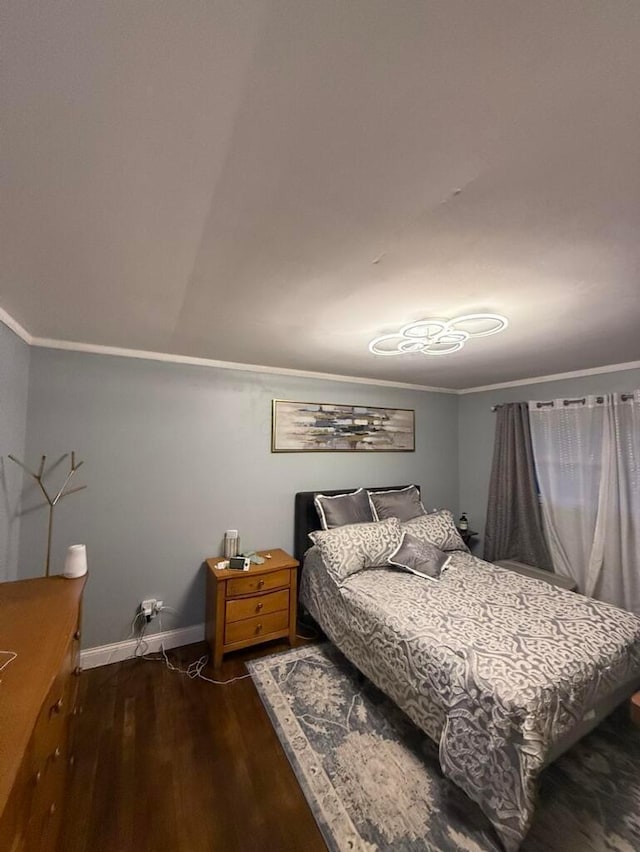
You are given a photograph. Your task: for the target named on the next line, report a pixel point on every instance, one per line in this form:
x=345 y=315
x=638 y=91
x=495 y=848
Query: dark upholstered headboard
x=306 y=518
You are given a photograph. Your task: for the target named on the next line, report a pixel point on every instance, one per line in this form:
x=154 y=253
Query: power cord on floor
x=194 y=670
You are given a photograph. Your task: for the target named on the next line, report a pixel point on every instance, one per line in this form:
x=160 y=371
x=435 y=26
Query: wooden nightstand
x=248 y=607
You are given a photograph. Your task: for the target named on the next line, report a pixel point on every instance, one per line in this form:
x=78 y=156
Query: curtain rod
x=599 y=399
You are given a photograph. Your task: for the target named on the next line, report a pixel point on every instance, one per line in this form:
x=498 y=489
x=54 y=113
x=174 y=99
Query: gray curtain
x=514 y=520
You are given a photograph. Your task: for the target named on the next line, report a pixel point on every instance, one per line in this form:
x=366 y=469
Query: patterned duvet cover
x=494 y=666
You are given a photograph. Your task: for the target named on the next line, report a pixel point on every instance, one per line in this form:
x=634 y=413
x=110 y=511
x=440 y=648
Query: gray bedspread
x=495 y=667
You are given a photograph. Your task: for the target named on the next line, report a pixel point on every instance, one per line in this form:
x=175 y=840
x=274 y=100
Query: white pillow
x=352 y=548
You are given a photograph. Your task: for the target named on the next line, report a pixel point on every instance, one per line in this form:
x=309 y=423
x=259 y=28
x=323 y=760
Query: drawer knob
x=260 y=583
x=76 y=635
x=72 y=759
x=38 y=777
x=77 y=671
x=259 y=607
x=57 y=753
x=259 y=628
x=52 y=809
x=57 y=707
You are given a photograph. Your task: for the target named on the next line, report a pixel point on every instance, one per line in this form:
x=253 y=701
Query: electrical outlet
x=149 y=608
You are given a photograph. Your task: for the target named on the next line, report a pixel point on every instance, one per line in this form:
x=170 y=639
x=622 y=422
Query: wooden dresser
x=248 y=607
x=40 y=622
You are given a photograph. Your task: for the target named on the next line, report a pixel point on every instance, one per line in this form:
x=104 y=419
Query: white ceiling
x=278 y=182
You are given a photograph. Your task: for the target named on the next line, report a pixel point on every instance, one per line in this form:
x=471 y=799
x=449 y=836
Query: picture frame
x=316 y=427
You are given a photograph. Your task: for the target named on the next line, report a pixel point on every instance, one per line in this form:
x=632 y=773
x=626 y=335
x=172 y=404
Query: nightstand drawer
x=258 y=583
x=258 y=605
x=253 y=628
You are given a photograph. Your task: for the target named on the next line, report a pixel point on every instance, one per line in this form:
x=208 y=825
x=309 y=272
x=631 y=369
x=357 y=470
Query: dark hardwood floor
x=163 y=762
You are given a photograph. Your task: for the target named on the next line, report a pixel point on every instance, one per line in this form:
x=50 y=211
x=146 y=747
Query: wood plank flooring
x=163 y=762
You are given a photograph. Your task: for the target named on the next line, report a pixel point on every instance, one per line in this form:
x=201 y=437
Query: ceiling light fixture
x=438 y=336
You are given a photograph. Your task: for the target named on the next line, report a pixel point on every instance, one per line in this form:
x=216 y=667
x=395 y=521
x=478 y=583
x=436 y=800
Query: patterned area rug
x=373 y=779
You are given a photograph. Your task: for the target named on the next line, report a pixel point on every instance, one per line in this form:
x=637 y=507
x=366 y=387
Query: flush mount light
x=437 y=336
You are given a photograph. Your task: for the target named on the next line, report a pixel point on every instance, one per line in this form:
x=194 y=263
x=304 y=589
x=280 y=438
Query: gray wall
x=476 y=425
x=14 y=384
x=174 y=455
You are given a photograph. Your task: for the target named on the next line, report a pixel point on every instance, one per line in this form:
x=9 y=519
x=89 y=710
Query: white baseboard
x=103 y=654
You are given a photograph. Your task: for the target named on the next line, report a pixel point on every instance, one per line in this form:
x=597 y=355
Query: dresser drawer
x=255 y=628
x=241 y=608
x=40 y=621
x=258 y=583
x=51 y=724
x=48 y=801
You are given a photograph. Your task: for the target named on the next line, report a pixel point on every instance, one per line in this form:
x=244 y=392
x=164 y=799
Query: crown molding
x=169 y=358
x=72 y=346
x=15 y=326
x=555 y=377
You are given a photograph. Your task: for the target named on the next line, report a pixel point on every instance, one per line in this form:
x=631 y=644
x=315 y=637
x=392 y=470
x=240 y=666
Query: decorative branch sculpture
x=52 y=501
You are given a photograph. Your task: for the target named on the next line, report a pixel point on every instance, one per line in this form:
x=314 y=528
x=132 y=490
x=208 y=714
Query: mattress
x=501 y=670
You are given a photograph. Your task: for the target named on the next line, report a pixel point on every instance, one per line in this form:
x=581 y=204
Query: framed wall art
x=309 y=427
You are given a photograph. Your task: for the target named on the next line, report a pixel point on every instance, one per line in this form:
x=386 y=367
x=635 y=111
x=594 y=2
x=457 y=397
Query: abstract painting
x=304 y=427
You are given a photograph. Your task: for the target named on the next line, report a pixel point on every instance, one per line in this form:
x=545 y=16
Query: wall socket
x=150 y=608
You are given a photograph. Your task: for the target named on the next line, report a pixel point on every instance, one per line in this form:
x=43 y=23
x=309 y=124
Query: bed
x=504 y=672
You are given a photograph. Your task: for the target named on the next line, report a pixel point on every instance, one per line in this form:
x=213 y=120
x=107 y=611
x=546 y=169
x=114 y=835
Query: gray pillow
x=401 y=503
x=437 y=528
x=349 y=549
x=342 y=509
x=420 y=557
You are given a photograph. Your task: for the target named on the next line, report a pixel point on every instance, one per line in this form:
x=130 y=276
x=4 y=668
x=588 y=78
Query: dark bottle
x=463 y=523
